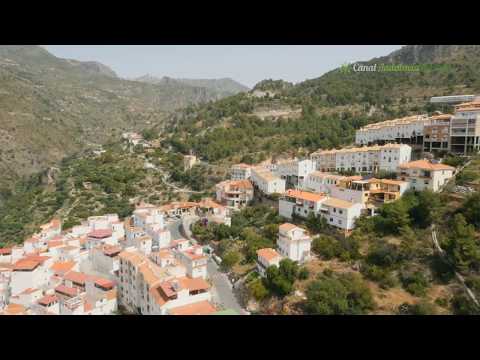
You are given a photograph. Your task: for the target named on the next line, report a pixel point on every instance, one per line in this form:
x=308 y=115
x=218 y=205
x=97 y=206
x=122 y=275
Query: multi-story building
x=234 y=193
x=241 y=172
x=337 y=212
x=364 y=159
x=265 y=258
x=294 y=172
x=300 y=203
x=465 y=128
x=157 y=288
x=322 y=182
x=294 y=242
x=424 y=174
x=266 y=182
x=371 y=191
x=436 y=134
x=405 y=130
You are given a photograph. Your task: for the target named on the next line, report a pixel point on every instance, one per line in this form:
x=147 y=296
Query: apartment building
x=265 y=258
x=294 y=172
x=294 y=242
x=266 y=181
x=436 y=133
x=366 y=159
x=337 y=212
x=424 y=174
x=322 y=182
x=241 y=172
x=405 y=130
x=465 y=128
x=300 y=203
x=157 y=288
x=234 y=193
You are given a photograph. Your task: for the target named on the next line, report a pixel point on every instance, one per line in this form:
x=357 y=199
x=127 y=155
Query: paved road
x=222 y=291
x=174 y=227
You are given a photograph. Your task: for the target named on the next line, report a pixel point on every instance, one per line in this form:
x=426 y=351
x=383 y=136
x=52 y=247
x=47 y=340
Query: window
x=340 y=211
x=331 y=219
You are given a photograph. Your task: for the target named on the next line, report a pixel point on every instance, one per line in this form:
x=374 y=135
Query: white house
x=294 y=242
x=265 y=181
x=265 y=258
x=234 y=193
x=294 y=172
x=241 y=172
x=423 y=174
x=341 y=213
x=300 y=203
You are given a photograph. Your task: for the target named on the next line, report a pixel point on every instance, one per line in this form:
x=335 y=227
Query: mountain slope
x=52 y=107
x=222 y=87
x=324 y=112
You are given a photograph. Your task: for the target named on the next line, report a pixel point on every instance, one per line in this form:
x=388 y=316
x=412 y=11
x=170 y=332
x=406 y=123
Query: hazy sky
x=247 y=64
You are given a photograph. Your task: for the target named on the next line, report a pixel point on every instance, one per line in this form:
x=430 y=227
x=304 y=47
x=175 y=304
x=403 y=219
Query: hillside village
x=264 y=234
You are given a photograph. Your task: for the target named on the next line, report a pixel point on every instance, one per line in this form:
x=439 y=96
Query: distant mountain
x=52 y=107
x=93 y=67
x=222 y=87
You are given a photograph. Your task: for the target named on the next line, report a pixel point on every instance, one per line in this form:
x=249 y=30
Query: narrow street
x=222 y=291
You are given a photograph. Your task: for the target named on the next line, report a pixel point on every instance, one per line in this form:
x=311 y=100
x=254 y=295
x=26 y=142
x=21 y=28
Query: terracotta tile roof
x=76 y=277
x=209 y=203
x=26 y=264
x=193 y=284
x=112 y=250
x=105 y=283
x=5 y=251
x=268 y=254
x=134 y=257
x=54 y=243
x=66 y=290
x=426 y=165
x=304 y=195
x=15 y=309
x=287 y=227
x=47 y=300
x=470 y=106
x=100 y=234
x=62 y=267
x=198 y=308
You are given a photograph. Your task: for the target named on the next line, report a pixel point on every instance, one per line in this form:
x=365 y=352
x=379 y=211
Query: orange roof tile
x=198 y=308
x=47 y=300
x=76 y=277
x=287 y=227
x=66 y=290
x=305 y=195
x=425 y=165
x=193 y=284
x=5 y=251
x=268 y=253
x=25 y=264
x=15 y=309
x=62 y=267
